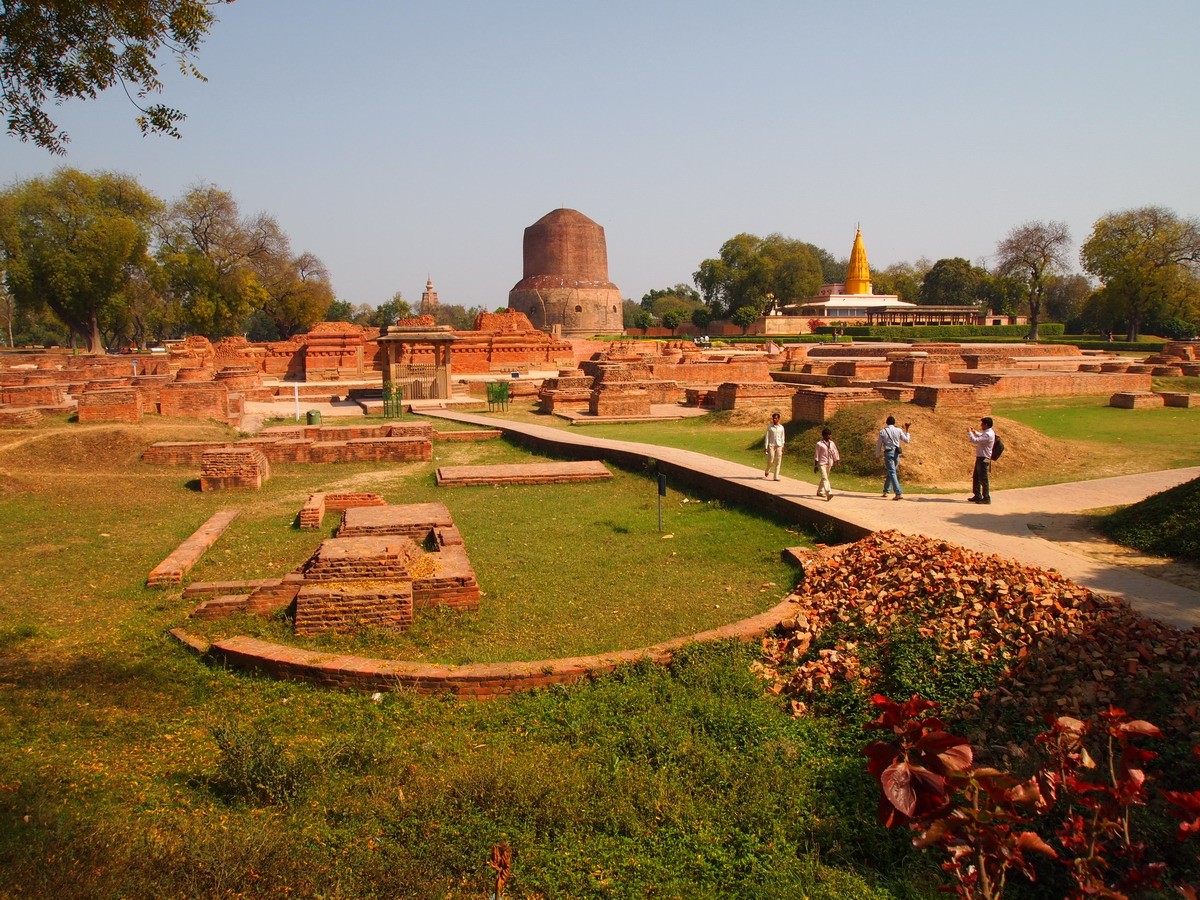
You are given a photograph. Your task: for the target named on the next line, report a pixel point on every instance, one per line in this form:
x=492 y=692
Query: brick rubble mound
x=1063 y=648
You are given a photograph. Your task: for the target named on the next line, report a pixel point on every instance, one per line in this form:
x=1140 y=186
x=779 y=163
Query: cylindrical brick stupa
x=565 y=280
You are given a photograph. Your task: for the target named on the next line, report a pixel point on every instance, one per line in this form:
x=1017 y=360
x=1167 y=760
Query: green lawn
x=128 y=768
x=1157 y=438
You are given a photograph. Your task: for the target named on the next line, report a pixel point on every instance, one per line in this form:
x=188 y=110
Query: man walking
x=824 y=459
x=984 y=441
x=888 y=446
x=774 y=447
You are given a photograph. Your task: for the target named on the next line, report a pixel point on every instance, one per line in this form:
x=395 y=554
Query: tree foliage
x=1034 y=252
x=750 y=268
x=1148 y=263
x=65 y=49
x=902 y=279
x=74 y=242
x=954 y=282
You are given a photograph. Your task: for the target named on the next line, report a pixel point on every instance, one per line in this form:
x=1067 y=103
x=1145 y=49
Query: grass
x=1164 y=524
x=1149 y=439
x=129 y=769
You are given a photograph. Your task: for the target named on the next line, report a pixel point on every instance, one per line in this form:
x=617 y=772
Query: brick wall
x=110 y=406
x=199 y=400
x=171 y=570
x=233 y=467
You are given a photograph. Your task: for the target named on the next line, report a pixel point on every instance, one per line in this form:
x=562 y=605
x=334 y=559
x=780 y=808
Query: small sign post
x=662 y=492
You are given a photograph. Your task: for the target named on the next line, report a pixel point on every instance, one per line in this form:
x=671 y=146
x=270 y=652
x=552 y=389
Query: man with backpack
x=987 y=448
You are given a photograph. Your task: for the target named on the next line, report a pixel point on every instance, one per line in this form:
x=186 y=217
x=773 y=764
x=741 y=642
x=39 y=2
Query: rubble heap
x=1062 y=649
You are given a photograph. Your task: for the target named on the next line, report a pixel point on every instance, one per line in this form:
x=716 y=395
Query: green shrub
x=1164 y=524
x=253 y=766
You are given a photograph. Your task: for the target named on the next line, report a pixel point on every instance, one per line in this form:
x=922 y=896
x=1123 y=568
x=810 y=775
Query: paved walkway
x=1003 y=528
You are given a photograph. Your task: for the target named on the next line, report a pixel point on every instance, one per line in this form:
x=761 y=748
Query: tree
x=643 y=320
x=391 y=312
x=1065 y=298
x=1034 y=252
x=749 y=268
x=56 y=51
x=953 y=282
x=339 y=311
x=681 y=299
x=215 y=260
x=298 y=291
x=701 y=317
x=1148 y=263
x=629 y=312
x=744 y=316
x=672 y=319
x=8 y=309
x=73 y=242
x=902 y=279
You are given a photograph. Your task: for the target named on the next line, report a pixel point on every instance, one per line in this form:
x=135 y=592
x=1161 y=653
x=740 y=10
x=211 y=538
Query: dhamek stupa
x=565 y=287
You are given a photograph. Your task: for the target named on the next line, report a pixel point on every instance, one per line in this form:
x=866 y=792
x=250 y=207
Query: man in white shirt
x=984 y=441
x=888 y=446
x=774 y=447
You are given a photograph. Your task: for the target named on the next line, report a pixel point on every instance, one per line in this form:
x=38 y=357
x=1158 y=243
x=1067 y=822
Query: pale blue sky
x=396 y=140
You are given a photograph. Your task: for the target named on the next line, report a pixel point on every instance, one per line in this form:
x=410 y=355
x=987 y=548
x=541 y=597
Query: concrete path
x=1003 y=528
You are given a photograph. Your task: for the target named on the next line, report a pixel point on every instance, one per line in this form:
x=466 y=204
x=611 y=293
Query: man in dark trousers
x=984 y=441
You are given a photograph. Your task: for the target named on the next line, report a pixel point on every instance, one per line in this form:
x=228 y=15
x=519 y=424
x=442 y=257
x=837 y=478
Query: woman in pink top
x=826 y=455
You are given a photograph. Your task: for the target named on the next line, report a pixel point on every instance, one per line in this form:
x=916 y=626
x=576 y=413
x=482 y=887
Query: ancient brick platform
x=417 y=520
x=1136 y=400
x=388 y=561
x=113 y=405
x=523 y=473
x=172 y=569
x=398 y=442
x=1181 y=399
x=313 y=511
x=232 y=468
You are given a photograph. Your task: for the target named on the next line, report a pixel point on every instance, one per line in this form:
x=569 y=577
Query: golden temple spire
x=858 y=273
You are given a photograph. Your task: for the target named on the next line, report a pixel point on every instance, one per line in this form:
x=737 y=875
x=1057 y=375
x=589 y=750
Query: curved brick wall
x=480 y=680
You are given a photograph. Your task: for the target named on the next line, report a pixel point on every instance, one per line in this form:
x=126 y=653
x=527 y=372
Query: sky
x=398 y=141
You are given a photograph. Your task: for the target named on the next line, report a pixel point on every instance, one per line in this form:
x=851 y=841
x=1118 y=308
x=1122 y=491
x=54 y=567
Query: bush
x=944 y=332
x=1164 y=524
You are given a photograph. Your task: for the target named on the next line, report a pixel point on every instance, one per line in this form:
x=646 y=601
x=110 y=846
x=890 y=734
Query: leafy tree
x=457 y=316
x=56 y=51
x=672 y=319
x=744 y=316
x=1034 y=252
x=298 y=291
x=953 y=282
x=701 y=317
x=391 y=312
x=681 y=291
x=749 y=268
x=643 y=319
x=1065 y=298
x=340 y=311
x=629 y=312
x=216 y=261
x=1147 y=260
x=72 y=242
x=902 y=279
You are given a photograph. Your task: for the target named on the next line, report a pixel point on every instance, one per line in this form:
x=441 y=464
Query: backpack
x=997 y=448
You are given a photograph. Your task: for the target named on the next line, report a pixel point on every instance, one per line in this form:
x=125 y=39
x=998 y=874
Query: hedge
x=911 y=332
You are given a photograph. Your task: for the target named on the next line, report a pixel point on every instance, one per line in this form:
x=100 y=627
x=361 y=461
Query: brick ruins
x=384 y=562
x=199 y=379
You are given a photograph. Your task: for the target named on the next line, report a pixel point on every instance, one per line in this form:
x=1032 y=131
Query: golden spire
x=858 y=273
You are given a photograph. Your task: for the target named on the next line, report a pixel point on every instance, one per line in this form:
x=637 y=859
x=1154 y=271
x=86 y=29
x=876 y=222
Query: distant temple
x=854 y=303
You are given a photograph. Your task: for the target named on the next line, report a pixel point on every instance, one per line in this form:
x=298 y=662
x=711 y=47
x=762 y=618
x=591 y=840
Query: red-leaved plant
x=983 y=818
